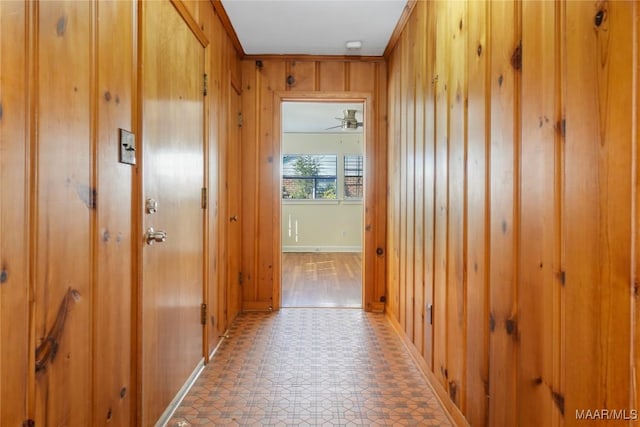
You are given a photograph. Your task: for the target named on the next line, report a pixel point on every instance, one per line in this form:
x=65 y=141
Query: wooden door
x=233 y=189
x=173 y=177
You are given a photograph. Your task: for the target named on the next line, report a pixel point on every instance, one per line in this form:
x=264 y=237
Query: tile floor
x=311 y=367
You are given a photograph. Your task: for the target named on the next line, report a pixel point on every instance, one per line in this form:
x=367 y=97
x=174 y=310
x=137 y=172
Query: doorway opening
x=322 y=203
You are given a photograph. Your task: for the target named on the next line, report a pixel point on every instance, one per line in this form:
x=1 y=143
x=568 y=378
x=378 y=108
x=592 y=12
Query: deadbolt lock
x=151 y=206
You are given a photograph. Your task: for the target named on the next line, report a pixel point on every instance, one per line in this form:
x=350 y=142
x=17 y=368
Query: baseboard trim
x=454 y=413
x=377 y=307
x=257 y=306
x=321 y=248
x=171 y=409
x=177 y=400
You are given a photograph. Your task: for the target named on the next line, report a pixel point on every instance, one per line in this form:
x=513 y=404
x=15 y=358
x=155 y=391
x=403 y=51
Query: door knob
x=233 y=218
x=153 y=236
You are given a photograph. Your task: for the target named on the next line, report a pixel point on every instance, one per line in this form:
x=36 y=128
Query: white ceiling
x=313 y=27
x=317 y=117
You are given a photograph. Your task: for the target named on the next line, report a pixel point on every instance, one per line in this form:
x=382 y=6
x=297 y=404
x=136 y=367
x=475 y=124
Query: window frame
x=316 y=178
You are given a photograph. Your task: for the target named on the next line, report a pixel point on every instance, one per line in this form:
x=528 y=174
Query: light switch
x=127 y=147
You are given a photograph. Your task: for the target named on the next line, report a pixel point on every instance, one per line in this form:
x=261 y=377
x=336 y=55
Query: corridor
x=311 y=366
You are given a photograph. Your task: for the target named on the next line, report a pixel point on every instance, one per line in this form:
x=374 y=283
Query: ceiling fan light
x=353 y=45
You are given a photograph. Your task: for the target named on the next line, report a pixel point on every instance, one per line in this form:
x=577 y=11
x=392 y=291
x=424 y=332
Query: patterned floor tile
x=315 y=367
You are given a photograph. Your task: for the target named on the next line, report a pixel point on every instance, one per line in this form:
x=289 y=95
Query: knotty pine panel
x=404 y=289
x=250 y=169
x=476 y=214
x=409 y=175
x=393 y=195
x=65 y=203
x=441 y=184
x=303 y=74
x=635 y=259
x=428 y=219
x=421 y=73
x=370 y=78
x=597 y=205
x=362 y=77
x=504 y=221
x=538 y=285
x=375 y=268
x=222 y=250
x=262 y=81
x=113 y=387
x=272 y=79
x=332 y=76
x=15 y=363
x=214 y=159
x=457 y=186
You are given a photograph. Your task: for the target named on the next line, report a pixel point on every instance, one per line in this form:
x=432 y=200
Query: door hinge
x=240 y=120
x=203 y=314
x=240 y=277
x=203 y=199
x=205 y=84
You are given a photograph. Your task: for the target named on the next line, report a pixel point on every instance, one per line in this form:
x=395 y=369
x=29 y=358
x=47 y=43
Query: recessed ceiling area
x=317 y=117
x=313 y=27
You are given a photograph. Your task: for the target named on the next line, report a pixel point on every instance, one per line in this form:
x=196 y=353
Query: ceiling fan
x=349 y=121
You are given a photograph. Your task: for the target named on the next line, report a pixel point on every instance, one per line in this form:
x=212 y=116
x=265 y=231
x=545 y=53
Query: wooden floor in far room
x=322 y=279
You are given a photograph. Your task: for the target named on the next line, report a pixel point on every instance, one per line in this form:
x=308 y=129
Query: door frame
x=368 y=244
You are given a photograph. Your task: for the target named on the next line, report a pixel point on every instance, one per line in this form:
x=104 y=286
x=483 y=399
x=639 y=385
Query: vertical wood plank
x=441 y=114
x=250 y=136
x=503 y=225
x=635 y=257
x=332 y=76
x=402 y=213
x=477 y=366
x=393 y=200
x=421 y=73
x=213 y=107
x=597 y=205
x=304 y=75
x=225 y=317
x=539 y=242
x=272 y=80
x=65 y=200
x=456 y=232
x=408 y=123
x=428 y=10
x=378 y=191
x=112 y=383
x=361 y=76
x=15 y=363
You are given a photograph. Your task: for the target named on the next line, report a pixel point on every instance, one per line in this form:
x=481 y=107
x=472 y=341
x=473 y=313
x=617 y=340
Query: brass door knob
x=155 y=236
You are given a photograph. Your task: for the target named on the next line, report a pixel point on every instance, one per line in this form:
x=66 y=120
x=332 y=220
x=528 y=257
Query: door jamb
x=365 y=98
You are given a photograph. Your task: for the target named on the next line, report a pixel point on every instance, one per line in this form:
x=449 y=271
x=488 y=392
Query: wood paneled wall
x=68 y=287
x=512 y=209
x=264 y=81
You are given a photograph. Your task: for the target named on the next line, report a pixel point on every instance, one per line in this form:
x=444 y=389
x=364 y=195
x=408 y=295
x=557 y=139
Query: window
x=309 y=176
x=353 y=177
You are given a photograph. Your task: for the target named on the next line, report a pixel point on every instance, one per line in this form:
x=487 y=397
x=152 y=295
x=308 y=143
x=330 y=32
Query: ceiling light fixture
x=353 y=45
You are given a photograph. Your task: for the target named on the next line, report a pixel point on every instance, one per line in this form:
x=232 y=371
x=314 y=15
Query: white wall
x=322 y=225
